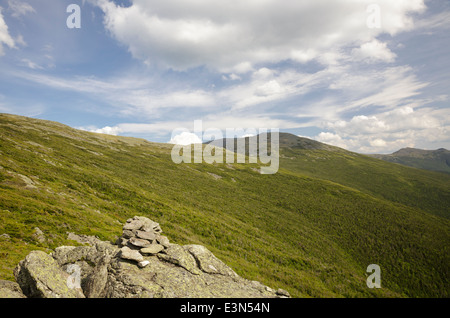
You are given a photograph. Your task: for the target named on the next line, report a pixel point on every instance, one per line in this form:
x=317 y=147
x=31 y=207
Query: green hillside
x=312 y=228
x=425 y=190
x=434 y=160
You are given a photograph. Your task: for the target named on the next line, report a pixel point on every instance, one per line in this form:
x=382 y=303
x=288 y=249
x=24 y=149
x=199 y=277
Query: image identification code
x=232 y=307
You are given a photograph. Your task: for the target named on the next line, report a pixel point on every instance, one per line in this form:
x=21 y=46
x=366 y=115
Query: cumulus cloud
x=234 y=36
x=185 y=138
x=332 y=139
x=108 y=130
x=389 y=131
x=374 y=51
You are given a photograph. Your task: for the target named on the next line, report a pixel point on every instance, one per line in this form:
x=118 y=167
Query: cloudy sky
x=369 y=76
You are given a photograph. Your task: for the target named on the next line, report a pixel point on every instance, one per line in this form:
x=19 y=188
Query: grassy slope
x=435 y=160
x=426 y=190
x=303 y=233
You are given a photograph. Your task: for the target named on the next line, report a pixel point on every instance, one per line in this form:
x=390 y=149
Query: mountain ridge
x=434 y=160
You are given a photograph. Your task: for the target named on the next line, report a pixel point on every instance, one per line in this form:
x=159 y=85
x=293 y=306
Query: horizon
x=371 y=77
x=206 y=141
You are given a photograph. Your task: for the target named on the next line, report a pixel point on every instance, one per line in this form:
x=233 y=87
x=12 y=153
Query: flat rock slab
x=142 y=223
x=149 y=236
x=129 y=254
x=207 y=262
x=162 y=279
x=127 y=234
x=177 y=255
x=133 y=225
x=139 y=242
x=152 y=249
x=164 y=241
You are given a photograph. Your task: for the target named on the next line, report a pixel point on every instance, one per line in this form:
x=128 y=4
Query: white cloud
x=5 y=37
x=374 y=51
x=183 y=131
x=108 y=130
x=31 y=64
x=270 y=88
x=358 y=105
x=185 y=138
x=438 y=21
x=389 y=131
x=263 y=73
x=331 y=139
x=19 y=8
x=130 y=95
x=234 y=36
x=231 y=77
x=19 y=40
x=378 y=143
x=390 y=87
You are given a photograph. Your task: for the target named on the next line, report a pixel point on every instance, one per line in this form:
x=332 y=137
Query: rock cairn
x=143 y=264
x=141 y=236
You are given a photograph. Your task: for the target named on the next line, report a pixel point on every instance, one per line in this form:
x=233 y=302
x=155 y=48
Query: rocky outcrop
x=142 y=263
x=39 y=276
x=10 y=289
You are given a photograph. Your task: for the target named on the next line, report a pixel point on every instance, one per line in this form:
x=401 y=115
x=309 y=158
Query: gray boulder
x=39 y=276
x=10 y=289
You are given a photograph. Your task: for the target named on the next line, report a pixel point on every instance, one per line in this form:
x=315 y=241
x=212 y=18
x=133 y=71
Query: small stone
x=121 y=241
x=139 y=242
x=133 y=225
x=148 y=225
x=5 y=236
x=282 y=292
x=143 y=264
x=38 y=235
x=127 y=234
x=152 y=249
x=150 y=236
x=164 y=241
x=212 y=268
x=133 y=255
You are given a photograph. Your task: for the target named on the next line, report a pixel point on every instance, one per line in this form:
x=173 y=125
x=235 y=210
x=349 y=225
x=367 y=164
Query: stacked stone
x=141 y=236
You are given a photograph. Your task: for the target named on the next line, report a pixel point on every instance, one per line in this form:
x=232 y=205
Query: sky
x=368 y=76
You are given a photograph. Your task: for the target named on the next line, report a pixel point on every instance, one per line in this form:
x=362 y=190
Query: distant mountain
x=286 y=140
x=435 y=160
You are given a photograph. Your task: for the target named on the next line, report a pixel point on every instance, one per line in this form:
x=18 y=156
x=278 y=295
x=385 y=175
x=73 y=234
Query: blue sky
x=368 y=76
